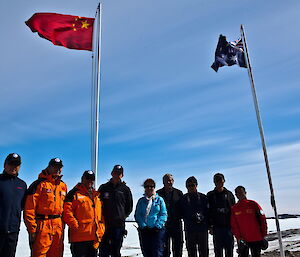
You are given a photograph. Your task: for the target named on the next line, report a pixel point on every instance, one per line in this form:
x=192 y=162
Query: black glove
x=264 y=244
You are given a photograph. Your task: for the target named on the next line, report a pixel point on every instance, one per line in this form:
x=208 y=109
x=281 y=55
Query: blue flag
x=229 y=53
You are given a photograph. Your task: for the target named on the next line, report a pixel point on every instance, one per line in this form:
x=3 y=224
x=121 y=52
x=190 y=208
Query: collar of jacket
x=151 y=197
x=83 y=190
x=9 y=175
x=223 y=191
x=118 y=184
x=243 y=201
x=44 y=174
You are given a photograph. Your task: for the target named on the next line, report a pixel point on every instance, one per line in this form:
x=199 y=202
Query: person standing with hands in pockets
x=83 y=214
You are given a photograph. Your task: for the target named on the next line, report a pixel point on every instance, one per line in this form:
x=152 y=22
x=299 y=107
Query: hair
x=148 y=181
x=219 y=175
x=167 y=175
x=191 y=180
x=240 y=187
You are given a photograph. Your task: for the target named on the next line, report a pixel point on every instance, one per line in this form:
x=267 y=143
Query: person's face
x=168 y=182
x=219 y=182
x=116 y=176
x=54 y=170
x=149 y=189
x=12 y=169
x=191 y=187
x=88 y=183
x=240 y=193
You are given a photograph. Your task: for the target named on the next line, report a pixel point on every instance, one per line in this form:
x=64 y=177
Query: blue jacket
x=157 y=216
x=12 y=192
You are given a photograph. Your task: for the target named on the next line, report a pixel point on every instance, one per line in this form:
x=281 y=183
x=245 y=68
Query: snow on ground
x=131 y=245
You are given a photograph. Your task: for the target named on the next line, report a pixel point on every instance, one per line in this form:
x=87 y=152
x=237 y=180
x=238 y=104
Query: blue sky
x=163 y=109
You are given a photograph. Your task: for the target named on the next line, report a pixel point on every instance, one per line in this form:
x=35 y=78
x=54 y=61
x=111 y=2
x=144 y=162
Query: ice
x=131 y=245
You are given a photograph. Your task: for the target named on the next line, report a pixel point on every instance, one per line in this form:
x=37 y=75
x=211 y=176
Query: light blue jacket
x=157 y=216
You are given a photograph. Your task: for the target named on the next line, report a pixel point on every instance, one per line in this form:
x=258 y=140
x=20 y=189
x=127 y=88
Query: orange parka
x=43 y=215
x=45 y=196
x=83 y=214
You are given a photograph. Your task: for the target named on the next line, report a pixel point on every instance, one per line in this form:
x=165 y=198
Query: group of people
x=159 y=216
x=96 y=218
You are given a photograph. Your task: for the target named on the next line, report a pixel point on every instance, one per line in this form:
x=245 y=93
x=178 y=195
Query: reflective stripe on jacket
x=45 y=196
x=248 y=222
x=84 y=215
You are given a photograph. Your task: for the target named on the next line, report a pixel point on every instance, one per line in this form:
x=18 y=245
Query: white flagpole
x=261 y=131
x=96 y=91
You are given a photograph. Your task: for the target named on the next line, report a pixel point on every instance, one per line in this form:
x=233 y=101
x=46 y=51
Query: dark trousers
x=176 y=236
x=223 y=240
x=254 y=249
x=112 y=241
x=8 y=244
x=152 y=242
x=196 y=239
x=83 y=249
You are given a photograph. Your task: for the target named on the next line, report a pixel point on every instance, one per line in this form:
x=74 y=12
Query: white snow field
x=131 y=245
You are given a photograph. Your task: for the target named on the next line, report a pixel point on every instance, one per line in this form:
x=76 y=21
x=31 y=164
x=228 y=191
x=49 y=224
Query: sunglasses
x=191 y=185
x=148 y=186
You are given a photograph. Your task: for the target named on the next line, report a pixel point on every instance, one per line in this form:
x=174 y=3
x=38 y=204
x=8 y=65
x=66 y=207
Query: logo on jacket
x=106 y=195
x=249 y=211
x=19 y=187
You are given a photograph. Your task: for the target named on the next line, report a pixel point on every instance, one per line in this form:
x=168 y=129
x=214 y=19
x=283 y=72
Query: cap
x=118 y=168
x=13 y=159
x=56 y=162
x=88 y=174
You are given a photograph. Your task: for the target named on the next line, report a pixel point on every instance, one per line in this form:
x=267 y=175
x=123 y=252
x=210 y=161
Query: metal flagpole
x=261 y=131
x=96 y=91
x=94 y=83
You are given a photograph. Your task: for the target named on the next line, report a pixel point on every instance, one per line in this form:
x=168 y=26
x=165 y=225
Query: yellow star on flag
x=85 y=24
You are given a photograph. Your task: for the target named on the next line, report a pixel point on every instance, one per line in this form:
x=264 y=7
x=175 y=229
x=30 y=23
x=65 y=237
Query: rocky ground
x=287 y=254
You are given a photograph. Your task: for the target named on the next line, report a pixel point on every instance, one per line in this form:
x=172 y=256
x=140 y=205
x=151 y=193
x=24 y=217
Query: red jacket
x=248 y=222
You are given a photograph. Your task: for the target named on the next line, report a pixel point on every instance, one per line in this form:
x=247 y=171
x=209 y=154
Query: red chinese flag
x=73 y=32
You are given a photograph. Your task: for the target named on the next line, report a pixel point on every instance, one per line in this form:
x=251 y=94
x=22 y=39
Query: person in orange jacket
x=248 y=224
x=43 y=212
x=83 y=214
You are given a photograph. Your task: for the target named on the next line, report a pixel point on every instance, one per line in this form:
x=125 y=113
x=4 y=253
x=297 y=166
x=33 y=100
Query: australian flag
x=229 y=53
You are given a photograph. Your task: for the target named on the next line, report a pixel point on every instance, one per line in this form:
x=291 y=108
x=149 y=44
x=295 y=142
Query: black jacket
x=194 y=211
x=117 y=203
x=220 y=207
x=172 y=203
x=12 y=193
